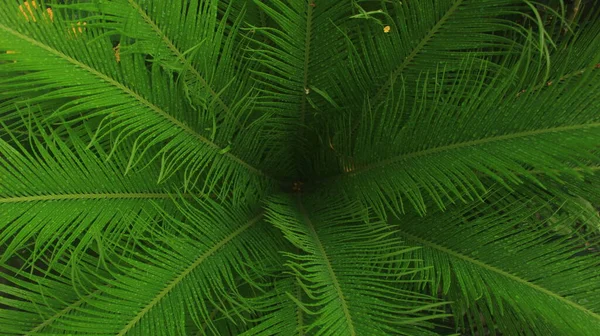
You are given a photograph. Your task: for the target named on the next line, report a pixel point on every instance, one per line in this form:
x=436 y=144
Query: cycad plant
x=299 y=167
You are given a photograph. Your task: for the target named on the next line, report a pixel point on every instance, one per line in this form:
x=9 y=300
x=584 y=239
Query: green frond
x=208 y=60
x=133 y=102
x=55 y=196
x=295 y=69
x=402 y=39
x=204 y=57
x=186 y=267
x=498 y=265
x=229 y=167
x=34 y=299
x=350 y=269
x=410 y=150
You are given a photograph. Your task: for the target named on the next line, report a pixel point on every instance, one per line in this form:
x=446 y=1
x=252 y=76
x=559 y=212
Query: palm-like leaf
x=56 y=197
x=468 y=130
x=132 y=102
x=422 y=35
x=232 y=167
x=337 y=260
x=495 y=261
x=294 y=72
x=177 y=267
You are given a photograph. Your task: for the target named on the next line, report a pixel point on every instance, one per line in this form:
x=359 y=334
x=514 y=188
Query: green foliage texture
x=299 y=167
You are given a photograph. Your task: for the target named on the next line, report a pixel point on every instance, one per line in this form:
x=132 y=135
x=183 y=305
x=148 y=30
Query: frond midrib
x=187 y=271
x=395 y=159
x=562 y=78
x=499 y=271
x=330 y=270
x=139 y=98
x=307 y=41
x=592 y=168
x=62 y=312
x=85 y=196
x=416 y=50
